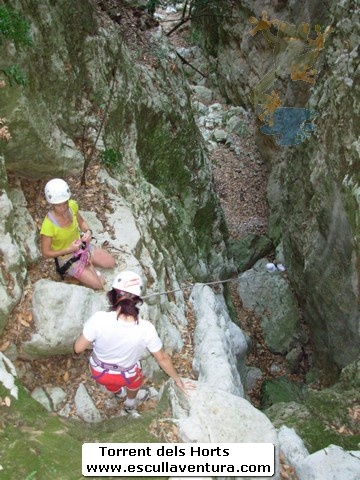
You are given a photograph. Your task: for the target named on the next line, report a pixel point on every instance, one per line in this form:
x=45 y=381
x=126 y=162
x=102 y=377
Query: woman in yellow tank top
x=60 y=238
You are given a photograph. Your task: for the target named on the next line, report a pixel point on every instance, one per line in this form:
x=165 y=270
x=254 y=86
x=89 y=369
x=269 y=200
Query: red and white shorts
x=113 y=381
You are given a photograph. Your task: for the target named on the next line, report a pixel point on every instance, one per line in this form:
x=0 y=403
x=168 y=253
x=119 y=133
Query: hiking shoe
x=142 y=395
x=121 y=393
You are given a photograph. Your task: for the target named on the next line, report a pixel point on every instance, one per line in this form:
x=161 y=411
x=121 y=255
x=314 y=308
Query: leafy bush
x=110 y=158
x=13 y=27
x=15 y=75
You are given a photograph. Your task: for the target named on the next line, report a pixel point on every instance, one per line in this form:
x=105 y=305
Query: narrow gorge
x=243 y=226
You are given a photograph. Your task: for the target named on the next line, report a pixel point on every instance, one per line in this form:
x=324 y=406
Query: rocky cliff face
x=104 y=89
x=323 y=246
x=313 y=187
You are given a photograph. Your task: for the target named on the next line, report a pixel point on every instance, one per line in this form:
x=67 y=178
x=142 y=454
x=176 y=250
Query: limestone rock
x=313 y=189
x=336 y=405
x=41 y=396
x=219 y=344
x=248 y=250
x=59 y=312
x=280 y=389
x=331 y=462
x=85 y=407
x=270 y=297
x=292 y=446
x=7 y=375
x=24 y=228
x=13 y=263
x=350 y=376
x=251 y=377
x=203 y=94
x=57 y=395
x=49 y=397
x=212 y=415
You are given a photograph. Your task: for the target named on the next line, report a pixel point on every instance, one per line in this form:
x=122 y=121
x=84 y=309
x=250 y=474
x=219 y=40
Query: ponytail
x=126 y=301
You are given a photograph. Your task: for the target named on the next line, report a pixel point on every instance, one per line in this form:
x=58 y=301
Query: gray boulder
x=329 y=463
x=59 y=312
x=319 y=409
x=24 y=228
x=292 y=446
x=18 y=246
x=269 y=296
x=49 y=397
x=203 y=94
x=246 y=251
x=7 y=375
x=210 y=415
x=85 y=407
x=220 y=345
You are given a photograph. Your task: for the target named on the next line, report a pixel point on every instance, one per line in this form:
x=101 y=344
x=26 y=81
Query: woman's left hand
x=185 y=386
x=87 y=236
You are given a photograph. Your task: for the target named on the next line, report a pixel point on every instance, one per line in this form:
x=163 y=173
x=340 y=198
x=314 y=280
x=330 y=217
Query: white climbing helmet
x=128 y=282
x=57 y=191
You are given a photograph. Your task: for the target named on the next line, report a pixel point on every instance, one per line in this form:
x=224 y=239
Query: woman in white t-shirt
x=119 y=339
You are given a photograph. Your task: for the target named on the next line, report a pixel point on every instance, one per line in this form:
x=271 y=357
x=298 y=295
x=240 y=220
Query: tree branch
x=187 y=63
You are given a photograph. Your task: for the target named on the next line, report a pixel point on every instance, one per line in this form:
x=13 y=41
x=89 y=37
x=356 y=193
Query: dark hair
x=126 y=301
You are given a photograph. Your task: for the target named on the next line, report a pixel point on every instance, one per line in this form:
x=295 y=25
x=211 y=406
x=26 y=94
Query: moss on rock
x=40 y=445
x=280 y=390
x=324 y=417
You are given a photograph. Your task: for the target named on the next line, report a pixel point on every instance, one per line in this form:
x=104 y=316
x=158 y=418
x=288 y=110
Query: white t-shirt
x=118 y=342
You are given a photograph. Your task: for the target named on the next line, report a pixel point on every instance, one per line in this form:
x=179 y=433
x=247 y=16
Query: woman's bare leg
x=131 y=393
x=102 y=258
x=89 y=278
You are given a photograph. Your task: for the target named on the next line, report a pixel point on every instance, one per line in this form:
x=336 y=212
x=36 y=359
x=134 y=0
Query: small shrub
x=15 y=75
x=110 y=158
x=13 y=27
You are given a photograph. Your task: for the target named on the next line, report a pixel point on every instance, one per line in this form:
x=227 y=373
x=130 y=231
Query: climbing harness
x=82 y=256
x=62 y=270
x=110 y=366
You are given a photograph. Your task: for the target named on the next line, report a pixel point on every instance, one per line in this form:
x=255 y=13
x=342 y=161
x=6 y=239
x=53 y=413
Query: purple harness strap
x=110 y=366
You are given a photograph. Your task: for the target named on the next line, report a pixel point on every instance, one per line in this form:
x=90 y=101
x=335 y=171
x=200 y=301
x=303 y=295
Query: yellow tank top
x=62 y=237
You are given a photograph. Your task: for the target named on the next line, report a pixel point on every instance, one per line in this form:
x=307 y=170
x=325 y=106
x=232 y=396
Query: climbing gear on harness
x=82 y=256
x=110 y=366
x=129 y=282
x=57 y=191
x=62 y=270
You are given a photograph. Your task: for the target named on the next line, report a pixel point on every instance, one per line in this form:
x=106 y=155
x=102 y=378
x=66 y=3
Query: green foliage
x=205 y=6
x=98 y=99
x=13 y=27
x=31 y=475
x=15 y=75
x=201 y=3
x=110 y=158
x=152 y=5
x=195 y=36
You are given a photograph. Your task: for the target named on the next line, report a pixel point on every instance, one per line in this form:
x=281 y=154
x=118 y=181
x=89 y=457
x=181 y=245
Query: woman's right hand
x=74 y=246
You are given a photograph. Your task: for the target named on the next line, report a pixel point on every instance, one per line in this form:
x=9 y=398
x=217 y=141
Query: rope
x=187 y=288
